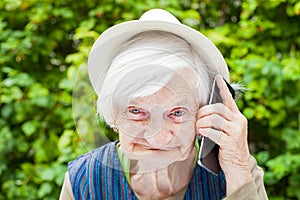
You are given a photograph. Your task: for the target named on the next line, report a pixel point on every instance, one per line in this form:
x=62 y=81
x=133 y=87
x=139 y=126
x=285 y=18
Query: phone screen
x=209 y=150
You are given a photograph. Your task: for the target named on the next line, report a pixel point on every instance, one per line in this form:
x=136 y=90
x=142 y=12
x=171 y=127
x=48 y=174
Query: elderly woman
x=153 y=79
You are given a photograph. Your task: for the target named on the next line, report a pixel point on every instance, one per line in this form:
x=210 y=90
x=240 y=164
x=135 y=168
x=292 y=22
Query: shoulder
x=83 y=159
x=256 y=170
x=78 y=167
x=258 y=177
x=91 y=174
x=83 y=170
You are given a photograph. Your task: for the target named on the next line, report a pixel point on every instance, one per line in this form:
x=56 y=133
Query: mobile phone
x=209 y=150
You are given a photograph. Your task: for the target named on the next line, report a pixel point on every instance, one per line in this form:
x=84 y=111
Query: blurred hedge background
x=43 y=44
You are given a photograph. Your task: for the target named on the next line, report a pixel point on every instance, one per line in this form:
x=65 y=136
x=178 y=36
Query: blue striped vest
x=98 y=175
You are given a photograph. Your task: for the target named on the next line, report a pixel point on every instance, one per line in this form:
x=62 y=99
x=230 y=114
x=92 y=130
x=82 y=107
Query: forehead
x=175 y=93
x=162 y=86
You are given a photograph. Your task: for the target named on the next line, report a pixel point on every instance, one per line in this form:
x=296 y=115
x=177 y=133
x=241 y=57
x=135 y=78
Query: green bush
x=44 y=43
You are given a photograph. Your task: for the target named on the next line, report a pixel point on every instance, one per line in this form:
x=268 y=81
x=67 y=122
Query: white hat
x=107 y=46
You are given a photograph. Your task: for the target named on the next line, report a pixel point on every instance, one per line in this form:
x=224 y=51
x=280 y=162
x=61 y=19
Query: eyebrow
x=185 y=106
x=181 y=102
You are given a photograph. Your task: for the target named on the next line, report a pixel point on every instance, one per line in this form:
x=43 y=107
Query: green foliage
x=44 y=43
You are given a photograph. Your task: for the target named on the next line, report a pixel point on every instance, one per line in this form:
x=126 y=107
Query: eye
x=177 y=114
x=135 y=111
x=137 y=114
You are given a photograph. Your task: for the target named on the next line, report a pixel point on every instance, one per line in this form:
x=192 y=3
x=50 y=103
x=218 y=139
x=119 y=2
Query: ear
x=115 y=127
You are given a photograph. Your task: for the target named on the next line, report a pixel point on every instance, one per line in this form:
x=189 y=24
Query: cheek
x=186 y=133
x=129 y=128
x=126 y=141
x=128 y=134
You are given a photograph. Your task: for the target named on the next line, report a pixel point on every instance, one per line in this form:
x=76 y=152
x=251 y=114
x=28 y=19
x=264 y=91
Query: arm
x=66 y=191
x=228 y=127
x=253 y=190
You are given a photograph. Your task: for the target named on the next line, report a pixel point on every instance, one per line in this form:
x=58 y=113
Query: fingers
x=219 y=109
x=227 y=109
x=221 y=121
x=215 y=122
x=215 y=135
x=225 y=94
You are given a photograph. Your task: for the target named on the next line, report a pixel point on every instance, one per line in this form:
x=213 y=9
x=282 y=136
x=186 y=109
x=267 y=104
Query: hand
x=226 y=126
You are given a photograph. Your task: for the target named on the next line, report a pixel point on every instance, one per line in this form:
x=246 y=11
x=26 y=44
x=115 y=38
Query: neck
x=164 y=183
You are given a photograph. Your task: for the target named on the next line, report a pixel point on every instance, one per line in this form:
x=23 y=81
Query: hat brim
x=107 y=46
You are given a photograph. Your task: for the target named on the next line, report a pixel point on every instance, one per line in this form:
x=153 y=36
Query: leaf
x=7 y=110
x=291 y=138
x=10 y=94
x=47 y=174
x=278 y=118
x=249 y=113
x=64 y=12
x=6 y=140
x=66 y=84
x=45 y=189
x=40 y=96
x=297 y=8
x=65 y=139
x=37 y=90
x=28 y=168
x=291 y=70
x=30 y=127
x=262 y=157
x=24 y=80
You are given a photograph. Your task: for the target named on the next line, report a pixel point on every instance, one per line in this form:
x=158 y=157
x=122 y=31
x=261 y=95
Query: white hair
x=145 y=64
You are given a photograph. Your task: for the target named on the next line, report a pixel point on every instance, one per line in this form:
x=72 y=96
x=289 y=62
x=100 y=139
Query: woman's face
x=160 y=129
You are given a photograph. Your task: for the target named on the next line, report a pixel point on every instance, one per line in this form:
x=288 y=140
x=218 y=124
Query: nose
x=158 y=133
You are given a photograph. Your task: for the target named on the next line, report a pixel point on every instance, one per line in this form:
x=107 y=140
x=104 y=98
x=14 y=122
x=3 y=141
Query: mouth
x=154 y=148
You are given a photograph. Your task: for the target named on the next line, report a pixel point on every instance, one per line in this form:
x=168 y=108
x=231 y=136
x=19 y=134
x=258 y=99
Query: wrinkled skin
x=229 y=131
x=157 y=133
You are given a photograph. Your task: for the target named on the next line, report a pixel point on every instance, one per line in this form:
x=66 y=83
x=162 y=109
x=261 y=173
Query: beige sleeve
x=66 y=191
x=253 y=190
